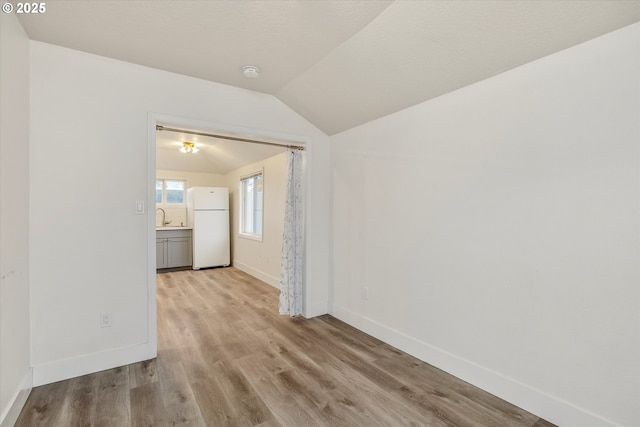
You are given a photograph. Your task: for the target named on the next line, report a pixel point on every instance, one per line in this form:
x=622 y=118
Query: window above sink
x=170 y=192
x=171 y=203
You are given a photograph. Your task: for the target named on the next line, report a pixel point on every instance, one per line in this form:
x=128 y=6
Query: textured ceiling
x=417 y=50
x=210 y=40
x=337 y=63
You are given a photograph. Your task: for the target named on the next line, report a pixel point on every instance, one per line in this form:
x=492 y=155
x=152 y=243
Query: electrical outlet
x=365 y=293
x=105 y=320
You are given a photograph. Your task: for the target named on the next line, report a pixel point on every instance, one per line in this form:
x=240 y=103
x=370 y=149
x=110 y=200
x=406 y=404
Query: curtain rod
x=232 y=138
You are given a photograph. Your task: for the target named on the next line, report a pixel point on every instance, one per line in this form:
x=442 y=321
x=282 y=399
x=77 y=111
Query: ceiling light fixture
x=189 y=147
x=251 y=71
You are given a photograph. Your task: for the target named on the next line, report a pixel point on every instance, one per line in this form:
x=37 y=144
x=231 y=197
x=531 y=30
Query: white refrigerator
x=208 y=214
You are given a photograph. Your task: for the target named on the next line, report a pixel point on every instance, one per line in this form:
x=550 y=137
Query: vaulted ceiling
x=337 y=63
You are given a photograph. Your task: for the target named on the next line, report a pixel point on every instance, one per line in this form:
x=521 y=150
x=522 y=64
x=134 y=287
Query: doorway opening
x=224 y=156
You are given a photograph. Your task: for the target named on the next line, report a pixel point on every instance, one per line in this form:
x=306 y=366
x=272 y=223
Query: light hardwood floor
x=226 y=358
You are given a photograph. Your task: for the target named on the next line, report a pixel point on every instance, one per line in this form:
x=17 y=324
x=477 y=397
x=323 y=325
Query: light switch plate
x=139 y=207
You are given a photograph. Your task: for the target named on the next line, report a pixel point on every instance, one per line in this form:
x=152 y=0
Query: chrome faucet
x=164 y=217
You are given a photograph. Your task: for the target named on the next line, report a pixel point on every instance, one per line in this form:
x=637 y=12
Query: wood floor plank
x=299 y=360
x=284 y=407
x=455 y=394
x=79 y=408
x=142 y=373
x=147 y=406
x=113 y=407
x=179 y=402
x=112 y=378
x=377 y=405
x=261 y=364
x=215 y=408
x=543 y=423
x=248 y=406
x=44 y=406
x=227 y=358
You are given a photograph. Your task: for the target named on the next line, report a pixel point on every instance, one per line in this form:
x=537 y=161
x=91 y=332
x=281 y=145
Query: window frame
x=164 y=203
x=241 y=204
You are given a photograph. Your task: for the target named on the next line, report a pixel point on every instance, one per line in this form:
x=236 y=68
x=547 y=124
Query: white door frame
x=204 y=126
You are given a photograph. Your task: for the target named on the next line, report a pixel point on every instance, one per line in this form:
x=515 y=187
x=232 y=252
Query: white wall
x=497 y=230
x=192 y=179
x=90 y=127
x=261 y=259
x=15 y=371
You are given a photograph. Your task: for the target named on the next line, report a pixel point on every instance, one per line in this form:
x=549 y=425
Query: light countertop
x=173 y=228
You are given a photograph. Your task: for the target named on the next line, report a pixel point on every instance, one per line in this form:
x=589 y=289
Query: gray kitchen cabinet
x=173 y=248
x=179 y=252
x=161 y=253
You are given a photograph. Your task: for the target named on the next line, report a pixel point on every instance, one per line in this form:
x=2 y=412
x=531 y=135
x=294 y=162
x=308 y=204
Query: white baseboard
x=535 y=401
x=267 y=278
x=11 y=413
x=86 y=364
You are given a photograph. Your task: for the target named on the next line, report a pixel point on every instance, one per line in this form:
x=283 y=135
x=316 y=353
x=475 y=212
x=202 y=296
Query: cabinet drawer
x=168 y=234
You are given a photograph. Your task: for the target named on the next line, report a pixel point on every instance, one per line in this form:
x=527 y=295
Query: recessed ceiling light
x=251 y=71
